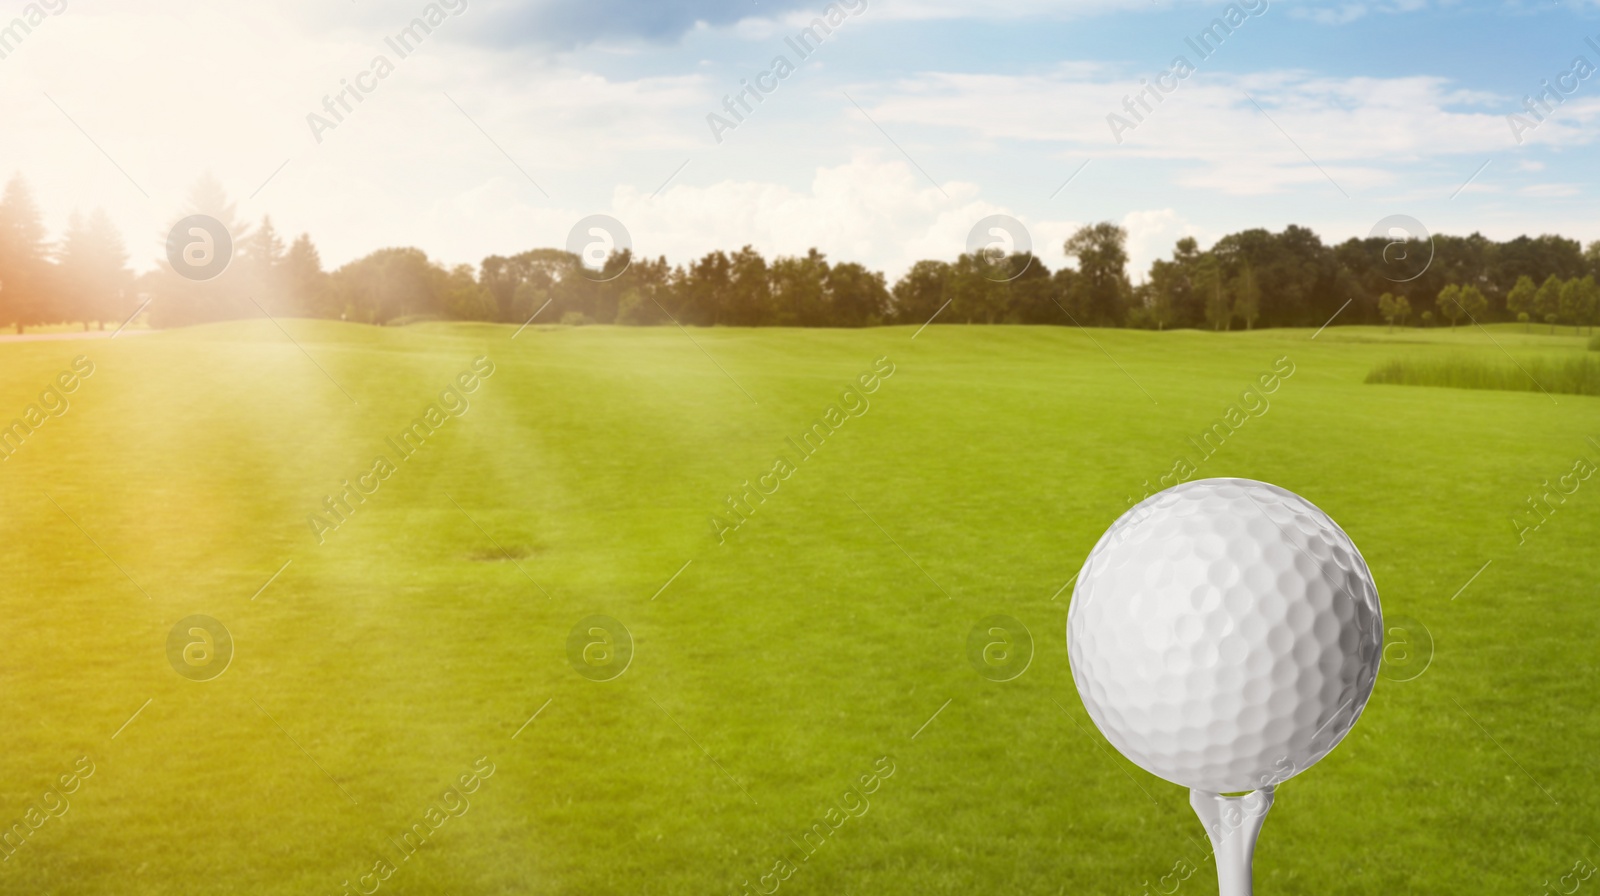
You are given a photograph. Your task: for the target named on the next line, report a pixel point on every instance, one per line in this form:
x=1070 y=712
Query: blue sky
x=911 y=121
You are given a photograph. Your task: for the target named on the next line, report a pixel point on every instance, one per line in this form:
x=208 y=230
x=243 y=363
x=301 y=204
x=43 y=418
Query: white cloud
x=880 y=213
x=1049 y=237
x=761 y=26
x=1151 y=235
x=168 y=98
x=1550 y=191
x=1345 y=13
x=887 y=10
x=176 y=89
x=1342 y=14
x=1357 y=129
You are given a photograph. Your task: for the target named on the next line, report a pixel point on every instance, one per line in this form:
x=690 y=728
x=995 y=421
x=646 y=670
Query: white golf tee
x=1232 y=823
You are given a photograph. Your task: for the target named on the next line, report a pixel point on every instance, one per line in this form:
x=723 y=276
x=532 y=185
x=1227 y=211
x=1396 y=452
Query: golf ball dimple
x=1224 y=634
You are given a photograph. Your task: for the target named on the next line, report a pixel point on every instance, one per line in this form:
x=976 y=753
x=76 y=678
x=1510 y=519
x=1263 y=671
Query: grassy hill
x=406 y=648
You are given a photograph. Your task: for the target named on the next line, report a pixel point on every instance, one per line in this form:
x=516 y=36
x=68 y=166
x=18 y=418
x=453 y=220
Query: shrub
x=409 y=319
x=636 y=310
x=1571 y=374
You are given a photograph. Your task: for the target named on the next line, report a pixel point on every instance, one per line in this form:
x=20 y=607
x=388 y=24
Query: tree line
x=1254 y=278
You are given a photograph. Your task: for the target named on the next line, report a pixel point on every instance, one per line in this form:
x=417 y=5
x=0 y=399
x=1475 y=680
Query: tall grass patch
x=1571 y=374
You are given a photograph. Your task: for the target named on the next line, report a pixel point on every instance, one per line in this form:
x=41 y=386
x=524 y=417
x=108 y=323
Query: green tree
x=1474 y=303
x=1519 y=300
x=799 y=289
x=1571 y=307
x=920 y=293
x=708 y=290
x=550 y=274
x=750 y=293
x=1449 y=303
x=1589 y=301
x=95 y=283
x=1208 y=281
x=463 y=297
x=1394 y=309
x=1541 y=256
x=73 y=289
x=1032 y=292
x=179 y=301
x=857 y=297
x=1188 y=306
x=1247 y=297
x=636 y=309
x=25 y=271
x=1547 y=301
x=306 y=283
x=390 y=284
x=1102 y=256
x=975 y=295
x=262 y=249
x=1064 y=292
x=647 y=287
x=1298 y=276
x=529 y=301
x=258 y=259
x=1163 y=288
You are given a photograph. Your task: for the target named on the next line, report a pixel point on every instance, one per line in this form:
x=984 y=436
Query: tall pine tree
x=180 y=301
x=95 y=283
x=25 y=270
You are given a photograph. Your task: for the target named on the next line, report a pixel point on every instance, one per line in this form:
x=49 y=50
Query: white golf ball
x=1224 y=634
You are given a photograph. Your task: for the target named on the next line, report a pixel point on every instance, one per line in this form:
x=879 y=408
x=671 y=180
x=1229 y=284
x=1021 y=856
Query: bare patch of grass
x=495 y=555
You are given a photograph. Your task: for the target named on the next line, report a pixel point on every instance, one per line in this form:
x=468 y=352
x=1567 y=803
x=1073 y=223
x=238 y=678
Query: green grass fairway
x=777 y=669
